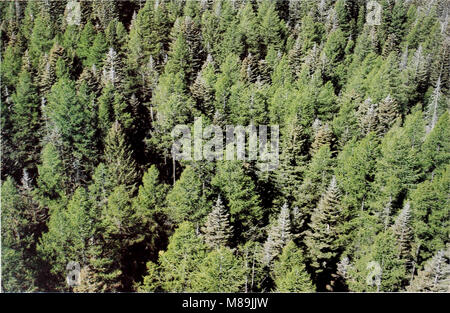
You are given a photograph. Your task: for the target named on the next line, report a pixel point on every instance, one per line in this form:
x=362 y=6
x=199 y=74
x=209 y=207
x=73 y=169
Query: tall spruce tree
x=217 y=230
x=321 y=238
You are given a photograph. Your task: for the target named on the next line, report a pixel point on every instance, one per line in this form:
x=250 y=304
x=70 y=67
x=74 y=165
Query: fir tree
x=403 y=232
x=187 y=250
x=321 y=237
x=290 y=271
x=119 y=160
x=186 y=201
x=26 y=119
x=217 y=230
x=278 y=236
x=219 y=271
x=435 y=275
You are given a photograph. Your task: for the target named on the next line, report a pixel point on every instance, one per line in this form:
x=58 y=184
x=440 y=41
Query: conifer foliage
x=89 y=102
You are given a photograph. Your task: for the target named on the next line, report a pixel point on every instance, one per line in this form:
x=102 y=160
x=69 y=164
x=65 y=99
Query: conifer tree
x=434 y=277
x=429 y=213
x=290 y=273
x=52 y=181
x=388 y=113
x=186 y=250
x=403 y=232
x=317 y=177
x=436 y=147
x=119 y=159
x=387 y=274
x=41 y=37
x=69 y=121
x=148 y=212
x=278 y=236
x=26 y=119
x=217 y=230
x=240 y=196
x=112 y=69
x=69 y=230
x=219 y=271
x=186 y=201
x=323 y=136
x=321 y=237
x=17 y=241
x=399 y=165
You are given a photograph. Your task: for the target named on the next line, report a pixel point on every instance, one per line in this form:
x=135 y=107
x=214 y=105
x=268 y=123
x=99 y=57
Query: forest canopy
x=91 y=91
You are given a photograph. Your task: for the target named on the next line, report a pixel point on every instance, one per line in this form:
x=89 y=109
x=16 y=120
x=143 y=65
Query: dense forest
x=91 y=90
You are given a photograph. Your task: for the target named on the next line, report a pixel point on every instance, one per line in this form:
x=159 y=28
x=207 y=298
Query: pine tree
x=368 y=116
x=240 y=196
x=386 y=274
x=70 y=129
x=187 y=250
x=186 y=201
x=435 y=275
x=436 y=147
x=97 y=51
x=429 y=213
x=112 y=69
x=317 y=177
x=119 y=159
x=69 y=230
x=219 y=271
x=292 y=159
x=271 y=28
x=321 y=237
x=403 y=232
x=148 y=207
x=290 y=273
x=144 y=40
x=278 y=236
x=26 y=119
x=51 y=181
x=217 y=230
x=388 y=113
x=104 y=11
x=323 y=136
x=202 y=88
x=41 y=37
x=18 y=259
x=399 y=165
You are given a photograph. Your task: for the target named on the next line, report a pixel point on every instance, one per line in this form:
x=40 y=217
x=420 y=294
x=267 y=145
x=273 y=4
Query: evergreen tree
x=435 y=276
x=317 y=177
x=67 y=238
x=290 y=271
x=403 y=232
x=119 y=160
x=239 y=192
x=26 y=119
x=186 y=201
x=217 y=230
x=278 y=236
x=386 y=274
x=219 y=271
x=69 y=128
x=186 y=250
x=18 y=258
x=429 y=214
x=51 y=181
x=436 y=147
x=321 y=238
